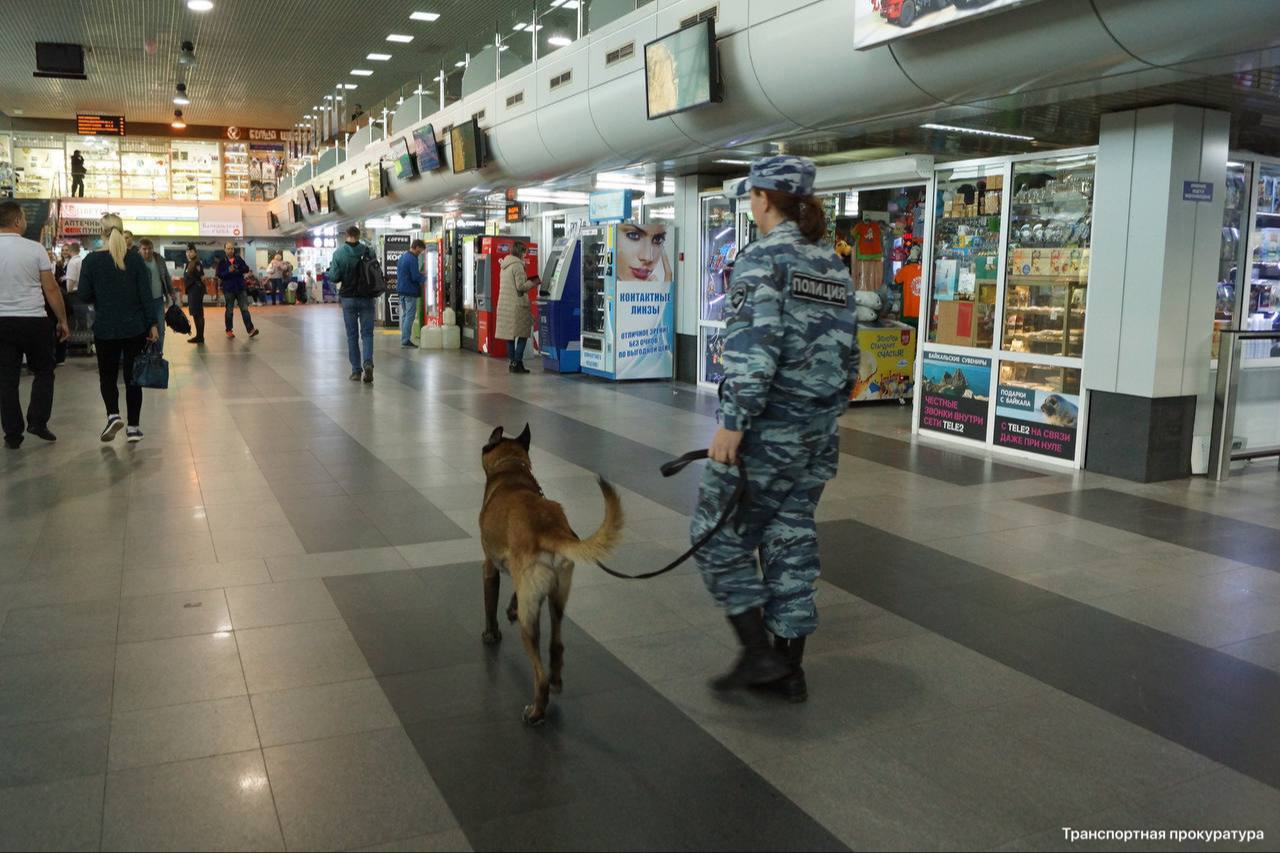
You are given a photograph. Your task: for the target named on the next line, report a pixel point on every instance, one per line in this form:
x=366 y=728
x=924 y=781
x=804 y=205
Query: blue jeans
x=408 y=310
x=160 y=313
x=357 y=313
x=515 y=350
x=240 y=298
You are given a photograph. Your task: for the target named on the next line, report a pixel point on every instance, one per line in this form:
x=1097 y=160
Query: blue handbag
x=150 y=370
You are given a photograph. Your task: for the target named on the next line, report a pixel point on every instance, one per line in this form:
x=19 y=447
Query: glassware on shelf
x=1050 y=232
x=966 y=248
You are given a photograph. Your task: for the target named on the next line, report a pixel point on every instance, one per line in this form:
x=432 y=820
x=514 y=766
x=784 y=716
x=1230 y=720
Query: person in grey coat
x=161 y=283
x=515 y=312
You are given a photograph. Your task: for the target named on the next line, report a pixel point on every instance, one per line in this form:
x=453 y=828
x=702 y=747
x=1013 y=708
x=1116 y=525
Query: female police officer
x=790 y=358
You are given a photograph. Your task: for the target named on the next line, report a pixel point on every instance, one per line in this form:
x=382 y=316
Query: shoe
x=791 y=686
x=410 y=345
x=13 y=443
x=133 y=434
x=368 y=373
x=759 y=662
x=42 y=432
x=253 y=333
x=355 y=376
x=230 y=334
x=114 y=425
x=520 y=368
x=195 y=340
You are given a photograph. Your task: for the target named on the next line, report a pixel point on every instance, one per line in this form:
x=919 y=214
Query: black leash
x=671 y=468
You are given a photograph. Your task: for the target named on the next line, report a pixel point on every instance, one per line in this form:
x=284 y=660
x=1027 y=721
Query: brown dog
x=528 y=536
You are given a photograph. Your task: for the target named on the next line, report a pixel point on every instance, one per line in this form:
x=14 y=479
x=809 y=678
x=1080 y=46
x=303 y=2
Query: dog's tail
x=598 y=545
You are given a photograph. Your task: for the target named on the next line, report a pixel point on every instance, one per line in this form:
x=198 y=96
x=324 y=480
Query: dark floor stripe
x=1242 y=541
x=949 y=466
x=677 y=395
x=1217 y=705
x=616 y=765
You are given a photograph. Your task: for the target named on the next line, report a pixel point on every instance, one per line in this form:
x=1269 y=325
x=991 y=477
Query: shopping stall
x=1001 y=354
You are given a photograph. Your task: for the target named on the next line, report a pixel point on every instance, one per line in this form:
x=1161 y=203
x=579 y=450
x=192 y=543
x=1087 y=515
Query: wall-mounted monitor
x=426 y=149
x=296 y=211
x=466 y=143
x=406 y=162
x=375 y=180
x=273 y=221
x=681 y=70
x=330 y=200
x=313 y=199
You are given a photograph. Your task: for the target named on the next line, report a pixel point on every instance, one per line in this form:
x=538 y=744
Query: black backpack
x=367 y=279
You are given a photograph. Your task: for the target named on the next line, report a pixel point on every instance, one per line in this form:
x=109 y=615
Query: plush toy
x=869 y=305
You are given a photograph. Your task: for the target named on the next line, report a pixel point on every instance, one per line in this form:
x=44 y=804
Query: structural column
x=1156 y=237
x=688 y=276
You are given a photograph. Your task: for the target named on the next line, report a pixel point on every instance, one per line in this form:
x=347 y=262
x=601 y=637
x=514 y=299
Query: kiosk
x=560 y=303
x=490 y=251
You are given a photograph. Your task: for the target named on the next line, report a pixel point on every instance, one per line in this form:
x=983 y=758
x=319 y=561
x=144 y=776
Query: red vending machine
x=492 y=250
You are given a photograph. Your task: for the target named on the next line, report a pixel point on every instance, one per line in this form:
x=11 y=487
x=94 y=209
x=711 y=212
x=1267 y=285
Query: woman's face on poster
x=642 y=252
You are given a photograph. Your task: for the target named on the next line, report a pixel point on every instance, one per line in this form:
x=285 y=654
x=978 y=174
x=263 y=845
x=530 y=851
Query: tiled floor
x=259 y=629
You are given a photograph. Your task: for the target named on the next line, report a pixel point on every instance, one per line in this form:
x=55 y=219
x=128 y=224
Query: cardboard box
x=958 y=323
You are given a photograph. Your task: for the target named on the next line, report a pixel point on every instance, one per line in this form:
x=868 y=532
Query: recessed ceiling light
x=734 y=162
x=425 y=16
x=397 y=37
x=199 y=5
x=361 y=72
x=328 y=97
x=379 y=57
x=519 y=27
x=459 y=64
x=559 y=41
x=350 y=86
x=505 y=47
x=308 y=115
x=978 y=132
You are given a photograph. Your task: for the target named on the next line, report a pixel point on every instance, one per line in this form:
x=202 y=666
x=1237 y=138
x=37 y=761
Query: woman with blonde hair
x=116 y=281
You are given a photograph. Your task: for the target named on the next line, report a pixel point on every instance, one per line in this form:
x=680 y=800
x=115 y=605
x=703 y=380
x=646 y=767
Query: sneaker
x=253 y=333
x=355 y=376
x=133 y=434
x=42 y=432
x=195 y=340
x=409 y=345
x=114 y=425
x=368 y=373
x=230 y=334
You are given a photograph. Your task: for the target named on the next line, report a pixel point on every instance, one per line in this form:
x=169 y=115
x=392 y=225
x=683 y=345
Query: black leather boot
x=759 y=663
x=791 y=686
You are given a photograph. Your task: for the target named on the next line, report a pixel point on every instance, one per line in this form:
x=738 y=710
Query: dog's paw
x=491 y=637
x=532 y=716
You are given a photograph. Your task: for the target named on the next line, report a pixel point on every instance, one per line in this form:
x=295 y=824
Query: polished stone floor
x=259 y=629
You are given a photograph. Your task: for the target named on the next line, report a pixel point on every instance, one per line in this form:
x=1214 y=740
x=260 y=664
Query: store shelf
x=1046 y=281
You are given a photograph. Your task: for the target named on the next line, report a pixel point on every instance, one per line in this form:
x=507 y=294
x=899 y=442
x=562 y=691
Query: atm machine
x=560 y=304
x=628 y=325
x=490 y=251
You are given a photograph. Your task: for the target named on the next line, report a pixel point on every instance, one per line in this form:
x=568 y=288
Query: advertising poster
x=955 y=394
x=876 y=22
x=646 y=326
x=887 y=364
x=1037 y=420
x=393 y=246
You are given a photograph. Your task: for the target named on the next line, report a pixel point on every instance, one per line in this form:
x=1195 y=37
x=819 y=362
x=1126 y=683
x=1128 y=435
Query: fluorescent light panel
x=425 y=16
x=978 y=132
x=399 y=38
x=361 y=72
x=560 y=41
x=379 y=57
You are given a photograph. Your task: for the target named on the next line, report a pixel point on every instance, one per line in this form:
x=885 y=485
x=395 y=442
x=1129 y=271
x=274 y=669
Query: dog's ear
x=494 y=438
x=524 y=438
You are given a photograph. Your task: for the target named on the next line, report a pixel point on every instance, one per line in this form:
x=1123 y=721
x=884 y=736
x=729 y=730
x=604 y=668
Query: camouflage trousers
x=769 y=558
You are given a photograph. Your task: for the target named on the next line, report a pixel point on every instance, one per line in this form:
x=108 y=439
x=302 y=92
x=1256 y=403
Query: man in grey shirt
x=161 y=283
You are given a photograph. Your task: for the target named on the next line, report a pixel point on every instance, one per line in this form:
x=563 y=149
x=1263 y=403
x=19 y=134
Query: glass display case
x=719 y=246
x=144 y=168
x=39 y=165
x=966 y=250
x=195 y=171
x=1235 y=212
x=7 y=178
x=594 y=262
x=1050 y=223
x=1263 y=308
x=235 y=169
x=101 y=164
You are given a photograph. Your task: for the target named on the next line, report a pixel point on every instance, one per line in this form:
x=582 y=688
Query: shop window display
x=144 y=168
x=235 y=169
x=719 y=247
x=101 y=163
x=1263 y=308
x=1235 y=210
x=7 y=178
x=1050 y=229
x=38 y=165
x=1038 y=408
x=196 y=171
x=966 y=250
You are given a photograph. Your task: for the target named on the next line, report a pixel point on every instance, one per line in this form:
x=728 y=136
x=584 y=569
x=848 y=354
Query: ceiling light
x=559 y=41
x=379 y=57
x=734 y=162
x=308 y=115
x=361 y=72
x=504 y=47
x=1234 y=165
x=564 y=4
x=328 y=97
x=187 y=54
x=180 y=96
x=177 y=123
x=397 y=37
x=459 y=64
x=519 y=27
x=978 y=132
x=425 y=16
x=350 y=86
x=199 y=5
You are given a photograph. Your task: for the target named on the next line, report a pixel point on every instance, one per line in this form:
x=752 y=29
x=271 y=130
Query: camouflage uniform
x=790 y=358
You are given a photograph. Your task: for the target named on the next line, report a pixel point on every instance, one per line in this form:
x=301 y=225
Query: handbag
x=176 y=320
x=150 y=370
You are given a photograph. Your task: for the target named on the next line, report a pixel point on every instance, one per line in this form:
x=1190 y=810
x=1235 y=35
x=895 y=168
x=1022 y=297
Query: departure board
x=89 y=125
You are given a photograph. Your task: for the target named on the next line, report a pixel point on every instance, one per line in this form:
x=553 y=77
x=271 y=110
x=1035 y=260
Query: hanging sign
x=610 y=206
x=95 y=125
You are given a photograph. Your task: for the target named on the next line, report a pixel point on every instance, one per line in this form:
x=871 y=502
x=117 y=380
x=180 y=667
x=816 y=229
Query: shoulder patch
x=737 y=296
x=828 y=291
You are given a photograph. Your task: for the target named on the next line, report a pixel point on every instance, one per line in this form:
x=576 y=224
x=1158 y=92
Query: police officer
x=790 y=358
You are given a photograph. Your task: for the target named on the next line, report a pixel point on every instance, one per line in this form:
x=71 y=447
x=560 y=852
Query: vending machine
x=628 y=302
x=560 y=302
x=489 y=253
x=450 y=277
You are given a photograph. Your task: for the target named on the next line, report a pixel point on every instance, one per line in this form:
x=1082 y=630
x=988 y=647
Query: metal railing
x=1225 y=400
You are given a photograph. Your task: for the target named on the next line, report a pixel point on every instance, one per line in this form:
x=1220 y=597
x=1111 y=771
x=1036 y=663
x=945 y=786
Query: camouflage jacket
x=791 y=340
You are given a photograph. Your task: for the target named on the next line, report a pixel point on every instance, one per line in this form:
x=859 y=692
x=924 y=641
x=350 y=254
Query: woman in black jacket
x=117 y=282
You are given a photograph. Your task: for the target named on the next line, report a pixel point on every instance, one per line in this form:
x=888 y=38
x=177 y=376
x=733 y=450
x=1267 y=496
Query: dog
x=527 y=536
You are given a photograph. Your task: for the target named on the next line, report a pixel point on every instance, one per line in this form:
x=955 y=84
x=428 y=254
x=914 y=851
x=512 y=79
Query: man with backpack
x=356 y=271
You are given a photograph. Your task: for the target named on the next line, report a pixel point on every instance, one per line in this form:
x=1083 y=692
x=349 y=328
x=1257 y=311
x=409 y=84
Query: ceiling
x=260 y=63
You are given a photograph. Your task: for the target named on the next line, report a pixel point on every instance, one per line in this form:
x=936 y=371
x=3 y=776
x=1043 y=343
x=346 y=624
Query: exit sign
x=93 y=125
